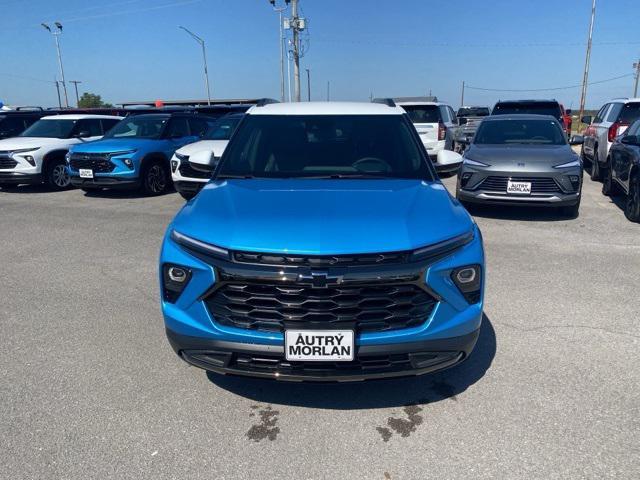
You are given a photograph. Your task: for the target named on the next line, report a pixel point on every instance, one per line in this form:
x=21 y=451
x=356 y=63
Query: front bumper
x=19 y=178
x=105 y=182
x=491 y=198
x=371 y=362
x=188 y=188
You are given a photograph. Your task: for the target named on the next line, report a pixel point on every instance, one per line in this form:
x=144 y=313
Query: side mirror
x=84 y=134
x=586 y=119
x=631 y=140
x=576 y=140
x=447 y=157
x=203 y=161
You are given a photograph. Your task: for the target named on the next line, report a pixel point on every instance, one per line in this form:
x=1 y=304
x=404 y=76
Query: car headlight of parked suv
x=28 y=158
x=474 y=163
x=571 y=164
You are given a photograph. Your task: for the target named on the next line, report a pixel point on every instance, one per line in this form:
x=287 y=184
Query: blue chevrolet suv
x=136 y=152
x=325 y=248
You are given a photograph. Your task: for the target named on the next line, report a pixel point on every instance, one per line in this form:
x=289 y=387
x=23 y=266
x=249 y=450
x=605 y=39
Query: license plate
x=86 y=173
x=523 y=188
x=319 y=345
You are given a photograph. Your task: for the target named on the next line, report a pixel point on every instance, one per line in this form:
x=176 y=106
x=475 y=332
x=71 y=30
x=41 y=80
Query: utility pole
x=297 y=24
x=462 y=99
x=308 y=85
x=204 y=59
x=585 y=77
x=58 y=92
x=281 y=41
x=328 y=91
x=75 y=84
x=56 y=34
x=635 y=89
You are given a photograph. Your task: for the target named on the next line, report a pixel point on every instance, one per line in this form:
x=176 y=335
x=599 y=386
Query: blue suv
x=136 y=152
x=324 y=248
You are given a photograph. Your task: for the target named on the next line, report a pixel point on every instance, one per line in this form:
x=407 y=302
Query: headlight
x=572 y=163
x=198 y=246
x=181 y=157
x=474 y=163
x=174 y=281
x=468 y=279
x=24 y=150
x=117 y=154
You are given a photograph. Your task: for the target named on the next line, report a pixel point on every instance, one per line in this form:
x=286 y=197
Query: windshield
x=50 y=129
x=222 y=129
x=324 y=146
x=138 y=127
x=422 y=113
x=506 y=132
x=538 y=108
x=473 y=112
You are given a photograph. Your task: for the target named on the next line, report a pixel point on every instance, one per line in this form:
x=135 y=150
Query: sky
x=129 y=50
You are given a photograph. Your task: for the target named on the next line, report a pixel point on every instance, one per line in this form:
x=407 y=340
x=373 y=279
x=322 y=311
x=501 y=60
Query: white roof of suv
x=325 y=108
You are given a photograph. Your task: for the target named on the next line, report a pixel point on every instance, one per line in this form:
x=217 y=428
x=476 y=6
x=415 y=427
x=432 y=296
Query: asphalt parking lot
x=91 y=389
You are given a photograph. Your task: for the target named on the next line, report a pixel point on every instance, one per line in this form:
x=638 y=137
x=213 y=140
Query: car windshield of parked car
x=630 y=112
x=540 y=108
x=507 y=132
x=473 y=112
x=138 y=127
x=222 y=129
x=50 y=129
x=422 y=113
x=324 y=146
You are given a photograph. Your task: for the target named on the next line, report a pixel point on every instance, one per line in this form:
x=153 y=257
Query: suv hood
x=17 y=143
x=113 y=145
x=514 y=155
x=216 y=146
x=323 y=217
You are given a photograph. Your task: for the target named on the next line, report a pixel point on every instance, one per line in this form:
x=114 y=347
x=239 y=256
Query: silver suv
x=610 y=121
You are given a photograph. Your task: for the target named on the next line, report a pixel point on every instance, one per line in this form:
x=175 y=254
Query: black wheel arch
x=51 y=156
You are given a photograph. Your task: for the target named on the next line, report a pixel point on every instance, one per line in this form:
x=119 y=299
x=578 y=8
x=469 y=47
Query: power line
x=568 y=87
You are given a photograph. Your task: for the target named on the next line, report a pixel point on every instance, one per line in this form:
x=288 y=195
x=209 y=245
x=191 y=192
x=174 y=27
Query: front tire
x=632 y=206
x=155 y=178
x=56 y=175
x=596 y=172
x=609 y=187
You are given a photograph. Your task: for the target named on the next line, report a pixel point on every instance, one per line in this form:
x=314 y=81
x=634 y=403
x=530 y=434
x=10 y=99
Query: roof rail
x=29 y=108
x=385 y=101
x=265 y=101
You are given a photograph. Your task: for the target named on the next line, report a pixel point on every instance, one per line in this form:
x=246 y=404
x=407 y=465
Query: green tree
x=92 y=100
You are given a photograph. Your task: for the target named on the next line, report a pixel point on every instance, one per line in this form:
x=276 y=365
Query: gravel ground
x=89 y=387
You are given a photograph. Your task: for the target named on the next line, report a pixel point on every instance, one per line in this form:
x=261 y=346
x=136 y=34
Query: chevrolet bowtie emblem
x=320 y=279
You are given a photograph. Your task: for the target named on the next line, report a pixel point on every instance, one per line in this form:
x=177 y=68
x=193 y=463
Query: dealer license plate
x=522 y=188
x=319 y=345
x=86 y=173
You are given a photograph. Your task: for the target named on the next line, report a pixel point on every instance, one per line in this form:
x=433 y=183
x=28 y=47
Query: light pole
x=75 y=84
x=56 y=34
x=308 y=85
x=585 y=77
x=635 y=89
x=204 y=58
x=279 y=11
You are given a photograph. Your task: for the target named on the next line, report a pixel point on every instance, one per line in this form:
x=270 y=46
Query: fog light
x=575 y=181
x=129 y=163
x=468 y=279
x=31 y=160
x=175 y=279
x=174 y=165
x=464 y=179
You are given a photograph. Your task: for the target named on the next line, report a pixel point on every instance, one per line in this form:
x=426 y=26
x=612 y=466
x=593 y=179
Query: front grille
x=540 y=185
x=186 y=170
x=320 y=261
x=370 y=307
x=6 y=162
x=98 y=162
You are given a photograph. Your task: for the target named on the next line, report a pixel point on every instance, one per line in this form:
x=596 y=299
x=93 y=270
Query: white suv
x=436 y=123
x=187 y=180
x=38 y=154
x=610 y=121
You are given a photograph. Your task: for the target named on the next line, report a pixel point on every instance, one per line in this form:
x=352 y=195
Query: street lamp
x=56 y=34
x=279 y=11
x=204 y=58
